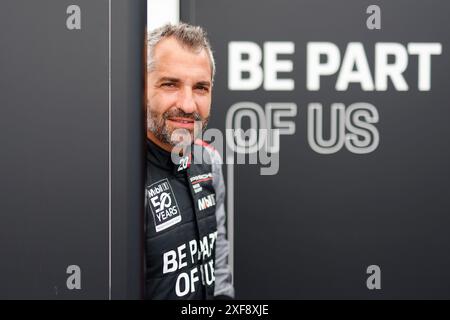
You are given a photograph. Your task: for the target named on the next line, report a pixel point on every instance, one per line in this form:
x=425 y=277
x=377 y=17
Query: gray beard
x=156 y=124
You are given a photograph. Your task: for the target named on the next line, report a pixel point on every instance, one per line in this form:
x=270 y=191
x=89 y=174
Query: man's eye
x=202 y=88
x=168 y=84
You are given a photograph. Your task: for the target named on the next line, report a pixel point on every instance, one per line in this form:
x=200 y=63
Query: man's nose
x=186 y=101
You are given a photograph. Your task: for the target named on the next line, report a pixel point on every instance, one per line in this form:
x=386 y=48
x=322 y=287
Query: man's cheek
x=204 y=111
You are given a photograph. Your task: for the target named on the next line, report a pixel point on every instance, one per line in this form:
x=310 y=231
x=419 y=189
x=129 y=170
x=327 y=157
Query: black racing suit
x=185 y=237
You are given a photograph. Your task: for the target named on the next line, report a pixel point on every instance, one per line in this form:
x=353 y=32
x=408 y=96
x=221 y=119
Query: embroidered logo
x=163 y=205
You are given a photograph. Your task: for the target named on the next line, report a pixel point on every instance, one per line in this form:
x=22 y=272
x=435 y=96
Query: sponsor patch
x=163 y=205
x=197 y=187
x=201 y=178
x=207 y=202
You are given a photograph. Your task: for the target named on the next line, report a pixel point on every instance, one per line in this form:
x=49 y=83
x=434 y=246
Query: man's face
x=178 y=91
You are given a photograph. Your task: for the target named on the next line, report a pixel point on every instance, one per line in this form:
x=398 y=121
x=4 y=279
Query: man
x=186 y=245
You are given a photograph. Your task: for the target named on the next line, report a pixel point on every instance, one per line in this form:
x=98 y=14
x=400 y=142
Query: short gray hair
x=193 y=37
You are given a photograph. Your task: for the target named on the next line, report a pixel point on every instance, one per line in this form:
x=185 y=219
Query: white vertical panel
x=160 y=12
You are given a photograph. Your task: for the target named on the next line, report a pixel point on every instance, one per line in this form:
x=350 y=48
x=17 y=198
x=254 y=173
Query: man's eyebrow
x=176 y=80
x=168 y=79
x=204 y=83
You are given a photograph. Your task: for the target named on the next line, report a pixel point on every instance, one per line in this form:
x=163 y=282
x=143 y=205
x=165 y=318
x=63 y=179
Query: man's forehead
x=171 y=43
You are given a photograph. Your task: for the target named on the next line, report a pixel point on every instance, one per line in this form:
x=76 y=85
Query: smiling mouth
x=184 y=123
x=182 y=120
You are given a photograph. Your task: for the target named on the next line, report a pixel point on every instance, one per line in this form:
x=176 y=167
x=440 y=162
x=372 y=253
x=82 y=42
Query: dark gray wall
x=128 y=19
x=312 y=230
x=54 y=164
